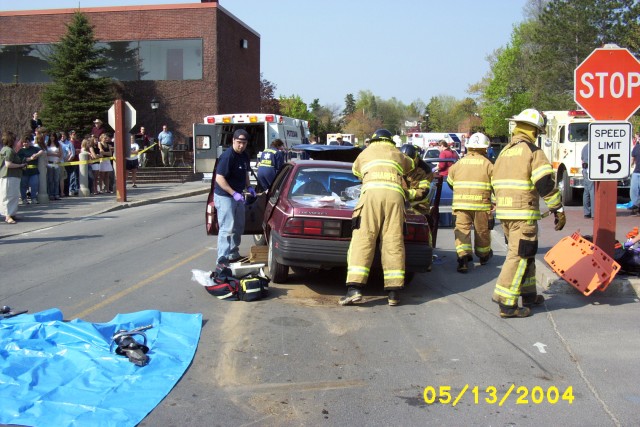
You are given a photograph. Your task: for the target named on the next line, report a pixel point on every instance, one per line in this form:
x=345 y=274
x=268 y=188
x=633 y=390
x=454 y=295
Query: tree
x=503 y=93
x=349 y=105
x=442 y=115
x=361 y=125
x=268 y=101
x=314 y=108
x=535 y=70
x=293 y=106
x=76 y=96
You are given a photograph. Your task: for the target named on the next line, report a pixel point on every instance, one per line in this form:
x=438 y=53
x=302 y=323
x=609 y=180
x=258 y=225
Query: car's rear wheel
x=279 y=273
x=408 y=277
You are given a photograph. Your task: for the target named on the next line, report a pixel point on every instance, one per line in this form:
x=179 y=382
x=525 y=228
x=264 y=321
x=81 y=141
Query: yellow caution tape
x=86 y=162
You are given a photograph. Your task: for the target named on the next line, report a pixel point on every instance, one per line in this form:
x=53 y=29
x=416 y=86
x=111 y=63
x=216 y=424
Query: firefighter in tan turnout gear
x=521 y=175
x=470 y=179
x=418 y=180
x=380 y=213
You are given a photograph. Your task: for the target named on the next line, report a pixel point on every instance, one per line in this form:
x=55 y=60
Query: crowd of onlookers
x=20 y=157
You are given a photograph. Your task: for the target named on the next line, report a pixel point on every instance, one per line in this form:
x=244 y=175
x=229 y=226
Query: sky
x=402 y=49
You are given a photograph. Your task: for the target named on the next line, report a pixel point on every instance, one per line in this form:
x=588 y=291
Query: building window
x=126 y=61
x=24 y=63
x=171 y=59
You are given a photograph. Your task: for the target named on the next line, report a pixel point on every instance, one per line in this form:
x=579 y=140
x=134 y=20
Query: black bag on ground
x=628 y=259
x=253 y=287
x=225 y=285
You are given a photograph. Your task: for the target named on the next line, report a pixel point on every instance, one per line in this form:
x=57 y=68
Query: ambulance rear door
x=206 y=147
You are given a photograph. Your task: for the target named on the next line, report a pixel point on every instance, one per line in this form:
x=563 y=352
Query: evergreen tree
x=76 y=96
x=349 y=105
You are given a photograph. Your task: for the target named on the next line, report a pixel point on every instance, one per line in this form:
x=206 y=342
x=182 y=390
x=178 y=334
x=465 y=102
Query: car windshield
x=322 y=182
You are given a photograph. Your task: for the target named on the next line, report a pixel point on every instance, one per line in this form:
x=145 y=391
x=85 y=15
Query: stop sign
x=607 y=84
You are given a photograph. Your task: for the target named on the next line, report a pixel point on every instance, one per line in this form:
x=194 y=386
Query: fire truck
x=215 y=135
x=567 y=132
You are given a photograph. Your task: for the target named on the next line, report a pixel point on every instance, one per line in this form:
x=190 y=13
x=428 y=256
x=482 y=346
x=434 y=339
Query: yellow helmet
x=533 y=117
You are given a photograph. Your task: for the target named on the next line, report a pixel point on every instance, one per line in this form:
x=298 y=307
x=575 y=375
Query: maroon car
x=306 y=220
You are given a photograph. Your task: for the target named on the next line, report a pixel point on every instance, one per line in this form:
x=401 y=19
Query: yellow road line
x=137 y=286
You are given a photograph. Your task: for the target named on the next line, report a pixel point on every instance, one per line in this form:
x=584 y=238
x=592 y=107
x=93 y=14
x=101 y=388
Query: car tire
x=279 y=273
x=408 y=277
x=259 y=240
x=567 y=194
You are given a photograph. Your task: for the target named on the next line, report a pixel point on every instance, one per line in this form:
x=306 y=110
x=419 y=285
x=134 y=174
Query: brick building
x=194 y=59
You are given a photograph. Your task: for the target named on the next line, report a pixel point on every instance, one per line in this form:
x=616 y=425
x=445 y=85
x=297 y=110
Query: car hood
x=336 y=153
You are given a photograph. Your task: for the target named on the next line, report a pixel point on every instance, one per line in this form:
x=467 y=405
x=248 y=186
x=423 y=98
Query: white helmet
x=532 y=117
x=397 y=140
x=478 y=140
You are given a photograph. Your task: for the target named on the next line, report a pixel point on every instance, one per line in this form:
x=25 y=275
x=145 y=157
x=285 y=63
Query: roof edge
x=110 y=9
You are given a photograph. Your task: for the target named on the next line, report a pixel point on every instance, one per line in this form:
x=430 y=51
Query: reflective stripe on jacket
x=470 y=179
x=267 y=157
x=382 y=167
x=519 y=167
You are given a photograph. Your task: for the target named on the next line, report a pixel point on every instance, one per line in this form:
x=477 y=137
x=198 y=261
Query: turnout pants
x=518 y=275
x=381 y=215
x=482 y=235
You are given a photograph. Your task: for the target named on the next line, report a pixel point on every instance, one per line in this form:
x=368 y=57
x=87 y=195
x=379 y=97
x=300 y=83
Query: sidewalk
x=36 y=217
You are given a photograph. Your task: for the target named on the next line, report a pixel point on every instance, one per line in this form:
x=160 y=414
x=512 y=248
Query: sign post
x=122 y=117
x=607 y=86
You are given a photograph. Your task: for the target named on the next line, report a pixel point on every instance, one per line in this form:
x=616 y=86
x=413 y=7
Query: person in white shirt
x=132 y=161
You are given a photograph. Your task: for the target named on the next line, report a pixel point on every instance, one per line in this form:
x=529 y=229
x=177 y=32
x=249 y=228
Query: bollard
x=43 y=195
x=84 y=175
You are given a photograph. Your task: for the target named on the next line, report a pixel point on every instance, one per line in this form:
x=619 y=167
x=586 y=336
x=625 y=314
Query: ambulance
x=346 y=137
x=215 y=135
x=567 y=132
x=427 y=140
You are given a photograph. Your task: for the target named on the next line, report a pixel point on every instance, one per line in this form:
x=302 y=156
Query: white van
x=215 y=135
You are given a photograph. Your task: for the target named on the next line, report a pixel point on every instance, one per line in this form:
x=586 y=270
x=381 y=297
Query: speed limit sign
x=609 y=151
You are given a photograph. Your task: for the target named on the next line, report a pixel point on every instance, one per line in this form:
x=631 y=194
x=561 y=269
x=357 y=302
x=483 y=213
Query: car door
x=253 y=212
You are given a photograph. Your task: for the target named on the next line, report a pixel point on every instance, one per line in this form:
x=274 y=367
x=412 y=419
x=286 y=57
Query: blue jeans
x=30 y=181
x=588 y=196
x=231 y=224
x=634 y=191
x=74 y=178
x=53 y=180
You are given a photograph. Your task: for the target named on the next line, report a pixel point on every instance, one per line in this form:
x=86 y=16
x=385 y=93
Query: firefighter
x=270 y=162
x=418 y=181
x=521 y=175
x=470 y=179
x=379 y=214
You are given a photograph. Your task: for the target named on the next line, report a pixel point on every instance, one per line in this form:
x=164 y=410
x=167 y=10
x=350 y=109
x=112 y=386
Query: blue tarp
x=56 y=373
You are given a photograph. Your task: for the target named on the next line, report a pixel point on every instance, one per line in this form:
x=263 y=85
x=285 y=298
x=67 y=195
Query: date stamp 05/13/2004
x=491 y=395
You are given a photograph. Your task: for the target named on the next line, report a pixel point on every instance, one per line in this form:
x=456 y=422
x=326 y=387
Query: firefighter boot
x=485 y=259
x=514 y=311
x=462 y=265
x=394 y=297
x=530 y=300
x=353 y=295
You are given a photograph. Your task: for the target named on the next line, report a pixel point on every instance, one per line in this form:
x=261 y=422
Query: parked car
x=306 y=216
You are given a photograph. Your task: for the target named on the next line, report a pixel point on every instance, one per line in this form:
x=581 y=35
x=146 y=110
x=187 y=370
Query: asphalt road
x=297 y=358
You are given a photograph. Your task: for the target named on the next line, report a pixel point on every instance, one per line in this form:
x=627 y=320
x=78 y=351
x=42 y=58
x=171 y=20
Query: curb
x=622 y=285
